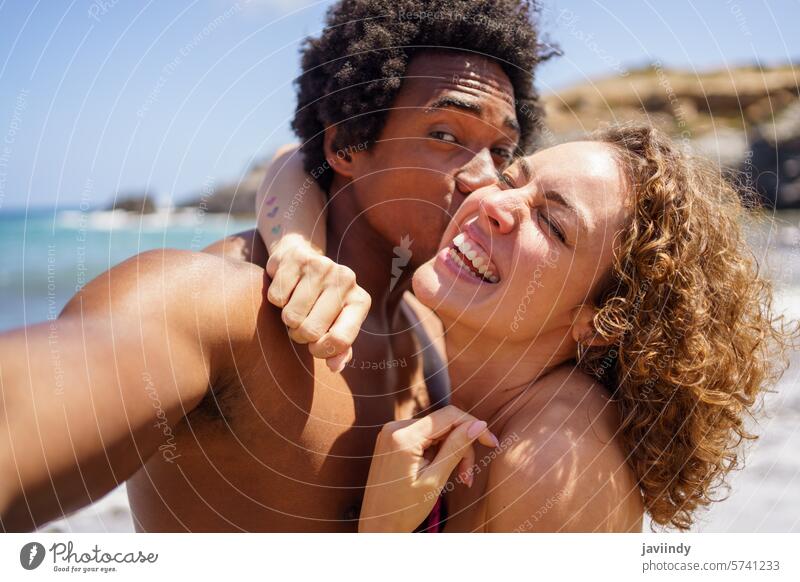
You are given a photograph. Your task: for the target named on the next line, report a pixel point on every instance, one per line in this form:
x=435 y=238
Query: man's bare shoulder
x=563 y=467
x=246 y=246
x=182 y=277
x=211 y=299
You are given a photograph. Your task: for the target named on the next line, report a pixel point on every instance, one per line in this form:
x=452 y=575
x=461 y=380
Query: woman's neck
x=490 y=377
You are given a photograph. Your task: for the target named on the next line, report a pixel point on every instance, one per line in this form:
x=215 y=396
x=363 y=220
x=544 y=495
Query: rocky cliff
x=746 y=118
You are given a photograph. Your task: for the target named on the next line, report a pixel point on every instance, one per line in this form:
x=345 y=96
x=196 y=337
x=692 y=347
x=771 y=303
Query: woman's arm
x=321 y=302
x=290 y=204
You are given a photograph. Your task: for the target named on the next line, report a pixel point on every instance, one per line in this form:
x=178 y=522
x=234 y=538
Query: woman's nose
x=497 y=212
x=477 y=173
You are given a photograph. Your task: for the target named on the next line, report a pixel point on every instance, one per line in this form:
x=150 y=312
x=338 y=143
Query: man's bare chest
x=291 y=458
x=281 y=448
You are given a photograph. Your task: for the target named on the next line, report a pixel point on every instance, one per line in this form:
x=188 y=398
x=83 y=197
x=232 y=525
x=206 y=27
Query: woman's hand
x=412 y=462
x=322 y=305
x=321 y=302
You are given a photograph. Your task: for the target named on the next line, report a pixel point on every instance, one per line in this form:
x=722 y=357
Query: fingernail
x=495 y=439
x=333 y=366
x=470 y=479
x=476 y=428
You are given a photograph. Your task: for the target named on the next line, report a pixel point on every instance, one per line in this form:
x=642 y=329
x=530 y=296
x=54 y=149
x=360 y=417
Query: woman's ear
x=583 y=330
x=337 y=155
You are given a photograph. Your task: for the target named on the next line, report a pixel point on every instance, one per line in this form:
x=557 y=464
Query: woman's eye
x=506 y=179
x=444 y=136
x=553 y=228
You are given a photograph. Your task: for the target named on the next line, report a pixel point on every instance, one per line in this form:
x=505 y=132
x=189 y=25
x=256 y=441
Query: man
x=175 y=368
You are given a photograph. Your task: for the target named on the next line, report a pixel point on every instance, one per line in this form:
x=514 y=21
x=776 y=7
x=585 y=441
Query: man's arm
x=85 y=399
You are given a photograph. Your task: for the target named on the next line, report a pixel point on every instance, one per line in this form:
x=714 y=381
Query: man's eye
x=444 y=136
x=506 y=155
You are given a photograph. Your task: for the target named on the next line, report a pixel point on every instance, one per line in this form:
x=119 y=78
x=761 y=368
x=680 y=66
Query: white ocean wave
x=107 y=220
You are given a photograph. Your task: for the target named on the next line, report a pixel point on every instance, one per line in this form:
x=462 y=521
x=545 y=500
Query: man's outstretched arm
x=85 y=399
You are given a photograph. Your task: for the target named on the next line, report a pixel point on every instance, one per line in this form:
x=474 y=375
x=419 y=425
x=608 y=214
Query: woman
x=605 y=318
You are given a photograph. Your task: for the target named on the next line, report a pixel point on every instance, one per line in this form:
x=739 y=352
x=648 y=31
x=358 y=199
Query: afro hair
x=353 y=71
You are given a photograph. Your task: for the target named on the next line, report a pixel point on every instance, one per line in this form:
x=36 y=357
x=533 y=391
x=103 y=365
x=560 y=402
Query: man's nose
x=477 y=173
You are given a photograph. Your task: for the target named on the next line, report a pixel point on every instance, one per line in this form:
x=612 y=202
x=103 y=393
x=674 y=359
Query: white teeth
x=475 y=254
x=457 y=259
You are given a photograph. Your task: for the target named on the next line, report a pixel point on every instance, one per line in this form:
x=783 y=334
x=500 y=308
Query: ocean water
x=47 y=255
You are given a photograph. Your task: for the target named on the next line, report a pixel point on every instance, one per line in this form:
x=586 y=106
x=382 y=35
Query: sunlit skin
x=553 y=223
x=451 y=131
x=262 y=437
x=409 y=183
x=548 y=231
x=453 y=126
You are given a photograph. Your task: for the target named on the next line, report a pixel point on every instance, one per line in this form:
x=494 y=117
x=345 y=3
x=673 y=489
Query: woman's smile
x=469 y=260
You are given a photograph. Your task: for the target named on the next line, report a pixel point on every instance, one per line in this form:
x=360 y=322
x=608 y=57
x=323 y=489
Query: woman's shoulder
x=564 y=467
x=567 y=400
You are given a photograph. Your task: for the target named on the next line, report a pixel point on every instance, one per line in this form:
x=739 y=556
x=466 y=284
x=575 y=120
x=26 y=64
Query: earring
x=581 y=348
x=581 y=352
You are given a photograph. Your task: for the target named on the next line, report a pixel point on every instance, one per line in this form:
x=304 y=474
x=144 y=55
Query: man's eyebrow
x=456 y=103
x=451 y=101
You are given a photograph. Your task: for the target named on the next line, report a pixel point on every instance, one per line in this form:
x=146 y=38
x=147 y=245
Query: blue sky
x=98 y=97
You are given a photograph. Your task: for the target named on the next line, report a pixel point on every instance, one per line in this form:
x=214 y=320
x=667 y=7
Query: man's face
x=451 y=129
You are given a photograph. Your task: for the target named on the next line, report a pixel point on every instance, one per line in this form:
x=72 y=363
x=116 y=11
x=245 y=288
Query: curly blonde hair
x=693 y=337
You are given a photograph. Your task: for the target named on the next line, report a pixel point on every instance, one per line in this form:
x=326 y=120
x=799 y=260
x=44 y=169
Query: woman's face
x=518 y=259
